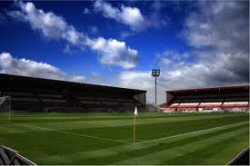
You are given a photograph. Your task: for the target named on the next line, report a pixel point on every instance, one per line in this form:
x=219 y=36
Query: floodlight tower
x=156 y=74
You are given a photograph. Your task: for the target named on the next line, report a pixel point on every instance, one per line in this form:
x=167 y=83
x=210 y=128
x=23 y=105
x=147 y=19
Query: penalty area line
x=76 y=134
x=193 y=132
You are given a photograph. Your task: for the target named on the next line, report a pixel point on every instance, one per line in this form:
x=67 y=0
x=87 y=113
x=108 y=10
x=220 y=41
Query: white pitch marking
x=75 y=134
x=148 y=141
x=192 y=132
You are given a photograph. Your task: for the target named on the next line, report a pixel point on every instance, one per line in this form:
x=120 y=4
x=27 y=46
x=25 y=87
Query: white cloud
x=112 y=51
x=130 y=16
x=78 y=78
x=219 y=24
x=100 y=79
x=173 y=76
x=174 y=55
x=50 y=25
x=134 y=79
x=219 y=32
x=223 y=70
x=86 y=11
x=27 y=67
x=126 y=34
x=219 y=36
x=140 y=80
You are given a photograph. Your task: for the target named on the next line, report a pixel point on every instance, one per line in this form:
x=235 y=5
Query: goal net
x=5 y=109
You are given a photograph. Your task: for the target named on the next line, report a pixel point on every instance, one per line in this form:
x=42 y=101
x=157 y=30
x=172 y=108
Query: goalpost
x=5 y=109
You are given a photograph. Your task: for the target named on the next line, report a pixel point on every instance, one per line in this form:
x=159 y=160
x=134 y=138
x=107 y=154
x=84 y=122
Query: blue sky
x=195 y=44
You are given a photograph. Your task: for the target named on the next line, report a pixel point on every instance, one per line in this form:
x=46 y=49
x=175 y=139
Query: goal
x=5 y=109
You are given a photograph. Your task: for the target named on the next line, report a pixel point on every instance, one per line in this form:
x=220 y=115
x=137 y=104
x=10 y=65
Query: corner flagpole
x=134 y=126
x=134 y=129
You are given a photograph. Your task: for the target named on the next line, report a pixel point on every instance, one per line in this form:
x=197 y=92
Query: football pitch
x=106 y=138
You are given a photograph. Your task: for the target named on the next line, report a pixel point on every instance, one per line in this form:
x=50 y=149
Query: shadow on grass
x=122 y=156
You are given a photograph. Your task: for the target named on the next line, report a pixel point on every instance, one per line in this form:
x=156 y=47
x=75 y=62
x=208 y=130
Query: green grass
x=60 y=138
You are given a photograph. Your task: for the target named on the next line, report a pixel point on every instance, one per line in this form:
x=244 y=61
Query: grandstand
x=38 y=94
x=218 y=99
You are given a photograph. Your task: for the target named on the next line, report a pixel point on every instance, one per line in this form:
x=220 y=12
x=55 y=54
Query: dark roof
x=212 y=89
x=8 y=81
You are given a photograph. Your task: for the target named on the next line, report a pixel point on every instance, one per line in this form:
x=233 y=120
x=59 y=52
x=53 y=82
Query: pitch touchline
x=192 y=132
x=75 y=134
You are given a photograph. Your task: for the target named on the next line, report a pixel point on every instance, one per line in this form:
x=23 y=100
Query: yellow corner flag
x=134 y=130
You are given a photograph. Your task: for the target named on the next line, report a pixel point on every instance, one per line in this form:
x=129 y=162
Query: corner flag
x=135 y=112
x=135 y=115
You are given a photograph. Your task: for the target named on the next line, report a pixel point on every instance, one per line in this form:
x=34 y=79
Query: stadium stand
x=218 y=99
x=38 y=94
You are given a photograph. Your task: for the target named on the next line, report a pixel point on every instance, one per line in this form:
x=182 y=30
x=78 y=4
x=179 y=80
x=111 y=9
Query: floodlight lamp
x=155 y=72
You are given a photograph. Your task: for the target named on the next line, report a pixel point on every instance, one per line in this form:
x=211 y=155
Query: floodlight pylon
x=156 y=74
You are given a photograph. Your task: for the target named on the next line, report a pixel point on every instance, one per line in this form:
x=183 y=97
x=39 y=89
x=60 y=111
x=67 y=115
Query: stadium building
x=218 y=99
x=37 y=94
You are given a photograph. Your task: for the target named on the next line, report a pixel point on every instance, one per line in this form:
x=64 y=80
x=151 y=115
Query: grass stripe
x=63 y=138
x=113 y=131
x=54 y=119
x=193 y=132
x=122 y=155
x=179 y=152
x=75 y=134
x=129 y=150
x=210 y=153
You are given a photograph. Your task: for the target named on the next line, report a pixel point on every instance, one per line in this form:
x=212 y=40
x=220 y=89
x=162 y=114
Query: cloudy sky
x=195 y=44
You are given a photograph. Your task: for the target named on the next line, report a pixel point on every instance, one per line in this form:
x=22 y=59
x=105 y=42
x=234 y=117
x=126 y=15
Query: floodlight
x=156 y=72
